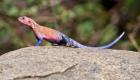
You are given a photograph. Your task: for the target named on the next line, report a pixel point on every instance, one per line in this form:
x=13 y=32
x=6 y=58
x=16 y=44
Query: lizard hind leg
x=71 y=43
x=63 y=41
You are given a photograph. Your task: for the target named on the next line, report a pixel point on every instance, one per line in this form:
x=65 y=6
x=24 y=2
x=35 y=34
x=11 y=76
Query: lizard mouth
x=20 y=19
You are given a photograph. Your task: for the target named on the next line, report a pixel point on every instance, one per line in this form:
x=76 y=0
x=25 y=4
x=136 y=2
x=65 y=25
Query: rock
x=63 y=63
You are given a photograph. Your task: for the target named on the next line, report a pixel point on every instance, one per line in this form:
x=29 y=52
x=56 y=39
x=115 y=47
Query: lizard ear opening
x=32 y=24
x=29 y=22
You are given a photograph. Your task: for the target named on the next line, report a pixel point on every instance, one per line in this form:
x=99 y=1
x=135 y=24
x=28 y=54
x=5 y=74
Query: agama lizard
x=44 y=33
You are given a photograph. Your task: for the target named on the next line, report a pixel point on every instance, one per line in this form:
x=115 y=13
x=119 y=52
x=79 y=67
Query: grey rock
x=63 y=63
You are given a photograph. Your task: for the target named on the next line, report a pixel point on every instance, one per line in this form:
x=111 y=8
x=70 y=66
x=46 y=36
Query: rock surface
x=63 y=63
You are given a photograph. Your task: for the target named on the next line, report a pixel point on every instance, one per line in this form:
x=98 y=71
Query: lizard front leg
x=39 y=42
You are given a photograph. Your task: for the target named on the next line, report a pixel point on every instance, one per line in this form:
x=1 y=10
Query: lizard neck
x=36 y=27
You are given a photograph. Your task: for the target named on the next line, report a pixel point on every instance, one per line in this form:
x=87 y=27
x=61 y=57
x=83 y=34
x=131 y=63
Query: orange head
x=27 y=21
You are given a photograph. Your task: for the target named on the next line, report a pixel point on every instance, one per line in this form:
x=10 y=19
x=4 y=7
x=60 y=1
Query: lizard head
x=27 y=21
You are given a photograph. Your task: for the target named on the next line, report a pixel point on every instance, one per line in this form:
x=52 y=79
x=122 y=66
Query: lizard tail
x=113 y=42
x=73 y=43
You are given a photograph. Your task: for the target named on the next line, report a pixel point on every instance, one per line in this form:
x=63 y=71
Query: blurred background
x=90 y=22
